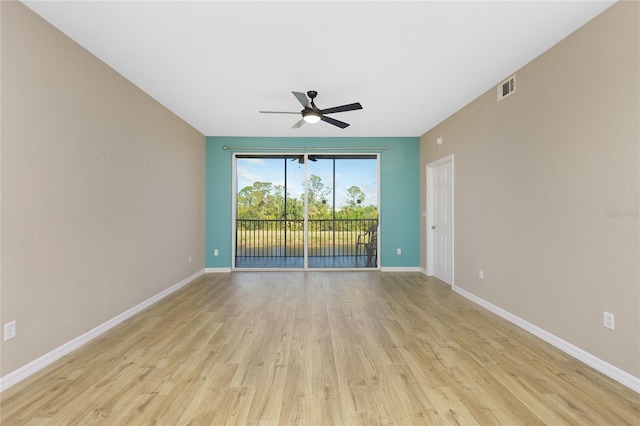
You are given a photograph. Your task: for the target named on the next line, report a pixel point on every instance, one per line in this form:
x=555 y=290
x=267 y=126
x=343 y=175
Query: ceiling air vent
x=506 y=88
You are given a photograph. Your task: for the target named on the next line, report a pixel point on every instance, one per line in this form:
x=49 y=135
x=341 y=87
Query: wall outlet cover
x=9 y=330
x=608 y=320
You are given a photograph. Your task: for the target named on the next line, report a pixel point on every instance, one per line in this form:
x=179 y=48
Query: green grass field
x=273 y=243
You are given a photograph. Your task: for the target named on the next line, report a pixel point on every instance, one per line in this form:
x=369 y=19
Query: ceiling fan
x=312 y=114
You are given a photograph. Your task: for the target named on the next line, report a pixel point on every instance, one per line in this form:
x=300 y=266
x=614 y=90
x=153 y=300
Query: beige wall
x=102 y=191
x=536 y=176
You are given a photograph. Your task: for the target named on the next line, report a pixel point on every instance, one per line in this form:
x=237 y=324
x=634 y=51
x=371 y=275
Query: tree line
x=265 y=201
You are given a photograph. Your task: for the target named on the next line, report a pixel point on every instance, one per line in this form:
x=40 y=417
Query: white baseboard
x=593 y=361
x=217 y=270
x=34 y=366
x=400 y=269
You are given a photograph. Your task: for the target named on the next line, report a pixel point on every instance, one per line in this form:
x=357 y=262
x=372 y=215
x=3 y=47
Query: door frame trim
x=429 y=222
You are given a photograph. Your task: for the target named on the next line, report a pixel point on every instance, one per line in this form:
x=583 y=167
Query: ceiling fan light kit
x=312 y=114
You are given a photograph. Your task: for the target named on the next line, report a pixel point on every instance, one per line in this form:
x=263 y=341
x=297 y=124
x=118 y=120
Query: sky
x=349 y=172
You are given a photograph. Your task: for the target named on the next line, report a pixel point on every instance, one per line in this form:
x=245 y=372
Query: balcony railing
x=285 y=238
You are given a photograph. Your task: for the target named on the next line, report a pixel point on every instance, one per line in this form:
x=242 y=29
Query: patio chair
x=372 y=249
x=367 y=240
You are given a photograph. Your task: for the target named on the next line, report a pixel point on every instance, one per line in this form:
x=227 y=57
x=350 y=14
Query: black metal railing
x=285 y=238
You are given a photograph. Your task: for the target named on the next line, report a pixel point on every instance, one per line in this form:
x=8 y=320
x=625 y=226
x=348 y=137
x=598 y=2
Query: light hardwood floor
x=318 y=348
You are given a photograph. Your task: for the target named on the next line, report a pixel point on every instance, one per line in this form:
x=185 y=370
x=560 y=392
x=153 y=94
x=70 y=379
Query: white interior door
x=443 y=222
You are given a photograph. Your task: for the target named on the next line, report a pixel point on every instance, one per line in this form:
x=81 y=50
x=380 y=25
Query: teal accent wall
x=399 y=193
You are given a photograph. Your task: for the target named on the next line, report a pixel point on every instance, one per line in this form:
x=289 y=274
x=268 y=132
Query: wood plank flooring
x=317 y=348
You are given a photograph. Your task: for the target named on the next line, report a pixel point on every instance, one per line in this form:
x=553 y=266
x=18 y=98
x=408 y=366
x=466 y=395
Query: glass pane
x=321 y=233
x=343 y=215
x=357 y=209
x=265 y=237
x=295 y=212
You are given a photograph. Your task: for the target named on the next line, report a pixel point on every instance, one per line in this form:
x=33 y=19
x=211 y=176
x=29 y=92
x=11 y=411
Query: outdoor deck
x=280 y=243
x=298 y=262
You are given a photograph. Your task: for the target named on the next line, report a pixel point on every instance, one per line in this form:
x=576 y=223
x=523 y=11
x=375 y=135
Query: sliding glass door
x=306 y=211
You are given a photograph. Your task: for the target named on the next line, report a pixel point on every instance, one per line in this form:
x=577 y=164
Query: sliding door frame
x=306 y=154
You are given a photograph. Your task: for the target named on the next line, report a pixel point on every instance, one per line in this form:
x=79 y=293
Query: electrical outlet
x=481 y=274
x=608 y=320
x=189 y=259
x=9 y=330
x=215 y=252
x=398 y=251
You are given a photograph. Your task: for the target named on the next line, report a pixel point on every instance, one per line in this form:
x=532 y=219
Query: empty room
x=319 y=212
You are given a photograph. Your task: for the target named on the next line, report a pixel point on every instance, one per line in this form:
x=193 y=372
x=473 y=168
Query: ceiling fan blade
x=335 y=122
x=298 y=124
x=278 y=112
x=342 y=108
x=302 y=98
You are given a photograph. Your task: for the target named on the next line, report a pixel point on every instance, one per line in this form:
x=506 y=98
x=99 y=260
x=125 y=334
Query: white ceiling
x=410 y=64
